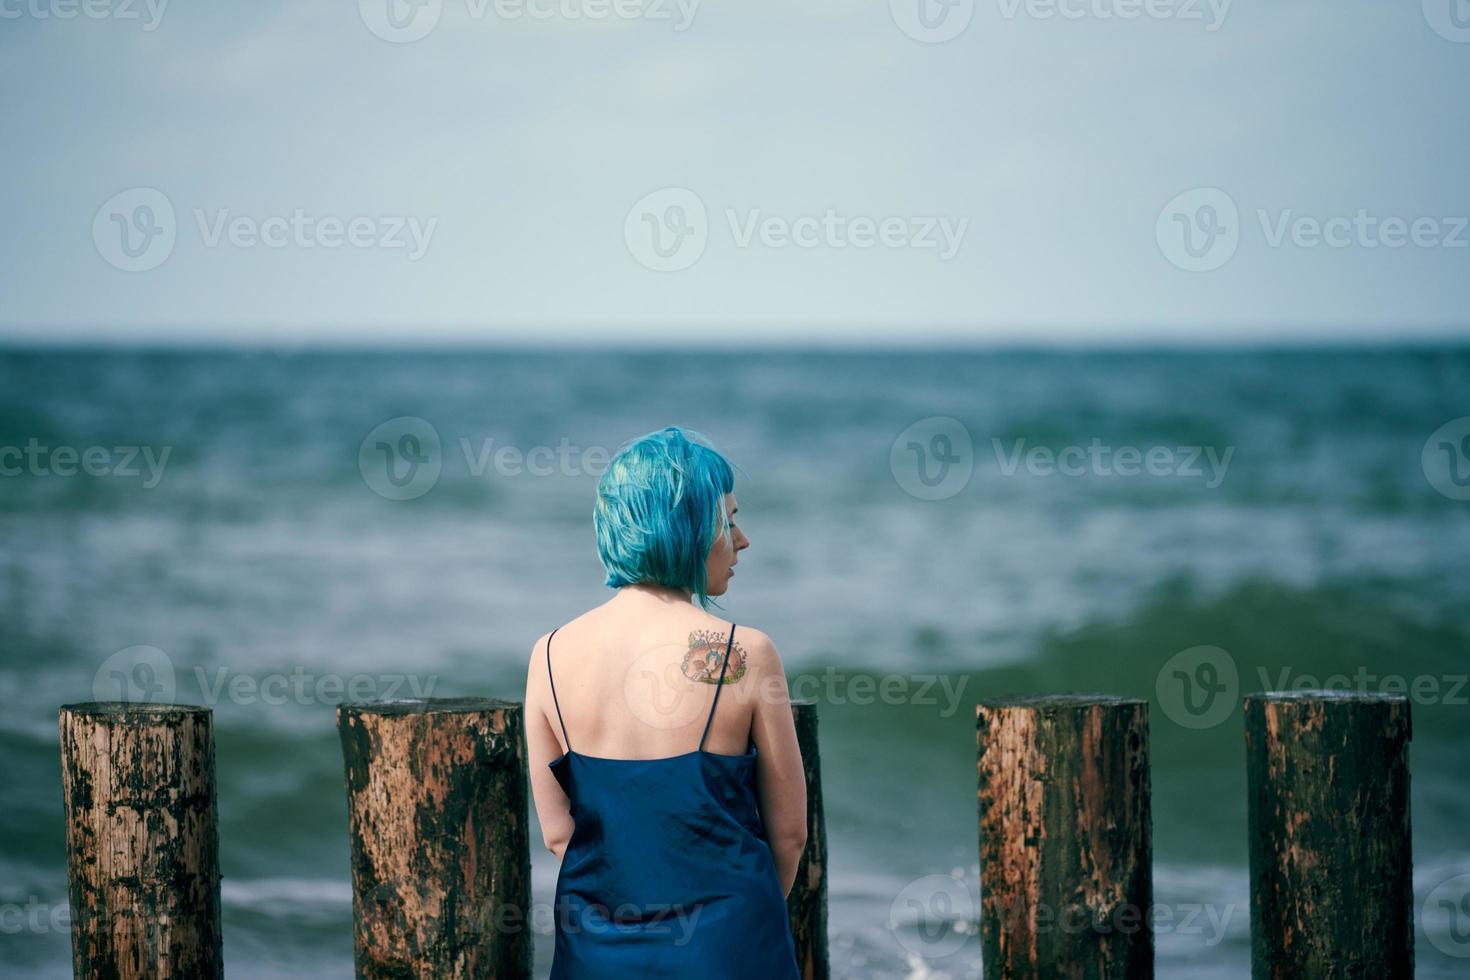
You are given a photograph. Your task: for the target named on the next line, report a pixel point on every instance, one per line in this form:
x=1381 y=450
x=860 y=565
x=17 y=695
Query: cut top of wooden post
x=1347 y=697
x=1392 y=709
x=1055 y=702
x=135 y=711
x=426 y=706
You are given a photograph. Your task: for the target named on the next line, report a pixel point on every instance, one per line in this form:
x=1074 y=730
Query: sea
x=272 y=531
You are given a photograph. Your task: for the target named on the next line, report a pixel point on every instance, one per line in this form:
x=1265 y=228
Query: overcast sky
x=734 y=170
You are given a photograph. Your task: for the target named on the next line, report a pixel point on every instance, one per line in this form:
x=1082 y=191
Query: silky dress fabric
x=668 y=873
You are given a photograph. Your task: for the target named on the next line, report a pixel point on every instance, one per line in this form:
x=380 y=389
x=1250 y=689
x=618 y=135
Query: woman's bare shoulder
x=571 y=626
x=752 y=649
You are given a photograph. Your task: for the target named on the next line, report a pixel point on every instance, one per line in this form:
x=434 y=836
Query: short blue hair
x=660 y=506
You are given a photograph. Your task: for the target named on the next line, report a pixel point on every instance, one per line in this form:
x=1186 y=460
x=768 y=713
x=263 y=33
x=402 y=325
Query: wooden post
x=1066 y=854
x=807 y=903
x=438 y=811
x=142 y=845
x=1332 y=887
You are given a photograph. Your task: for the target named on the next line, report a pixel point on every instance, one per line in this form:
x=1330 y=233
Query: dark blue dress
x=668 y=875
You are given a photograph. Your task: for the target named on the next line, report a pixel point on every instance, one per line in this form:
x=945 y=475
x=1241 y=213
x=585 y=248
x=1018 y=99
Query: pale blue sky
x=518 y=147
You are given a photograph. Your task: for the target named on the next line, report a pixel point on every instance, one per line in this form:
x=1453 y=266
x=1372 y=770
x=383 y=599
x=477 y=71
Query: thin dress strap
x=554 y=701
x=719 y=685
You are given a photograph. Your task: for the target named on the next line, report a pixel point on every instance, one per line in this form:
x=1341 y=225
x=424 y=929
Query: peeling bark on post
x=1332 y=886
x=438 y=812
x=142 y=844
x=807 y=903
x=1066 y=850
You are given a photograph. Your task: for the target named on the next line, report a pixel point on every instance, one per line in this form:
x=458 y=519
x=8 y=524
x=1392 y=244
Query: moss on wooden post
x=807 y=903
x=1065 y=838
x=1331 y=871
x=141 y=840
x=438 y=813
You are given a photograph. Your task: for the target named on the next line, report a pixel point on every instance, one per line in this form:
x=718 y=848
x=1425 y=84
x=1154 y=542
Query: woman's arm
x=553 y=809
x=779 y=777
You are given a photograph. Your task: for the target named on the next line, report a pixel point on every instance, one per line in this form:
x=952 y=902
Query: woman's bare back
x=637 y=680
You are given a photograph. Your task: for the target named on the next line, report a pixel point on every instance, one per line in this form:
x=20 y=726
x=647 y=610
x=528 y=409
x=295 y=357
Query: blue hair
x=660 y=506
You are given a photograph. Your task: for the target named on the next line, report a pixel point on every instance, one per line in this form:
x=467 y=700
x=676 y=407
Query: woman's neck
x=648 y=591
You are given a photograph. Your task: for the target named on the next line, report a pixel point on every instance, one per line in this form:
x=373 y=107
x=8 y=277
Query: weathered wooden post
x=142 y=843
x=1066 y=851
x=1332 y=887
x=438 y=811
x=807 y=903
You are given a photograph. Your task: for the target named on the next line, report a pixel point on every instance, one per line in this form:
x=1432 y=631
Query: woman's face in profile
x=724 y=553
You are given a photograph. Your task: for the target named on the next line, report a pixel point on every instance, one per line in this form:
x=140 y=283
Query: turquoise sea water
x=248 y=553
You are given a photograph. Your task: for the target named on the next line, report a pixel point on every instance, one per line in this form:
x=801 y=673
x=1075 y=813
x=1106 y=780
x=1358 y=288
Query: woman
x=664 y=761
